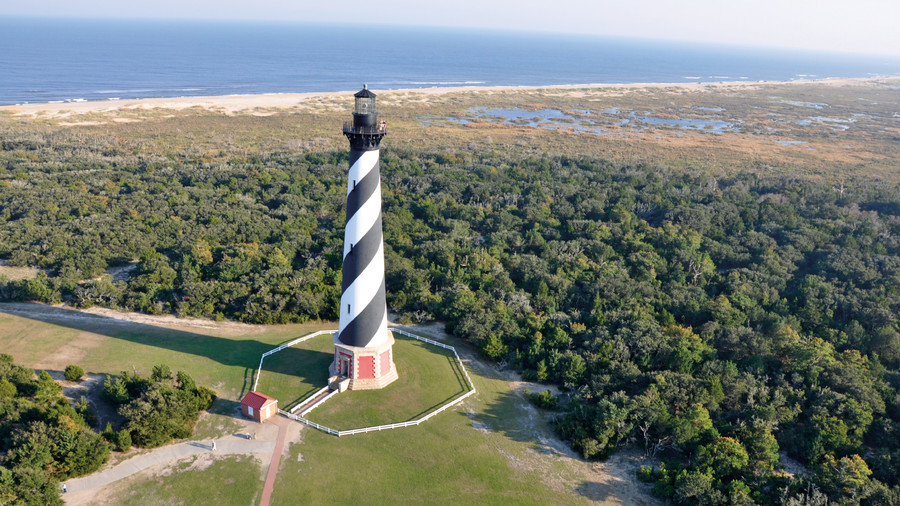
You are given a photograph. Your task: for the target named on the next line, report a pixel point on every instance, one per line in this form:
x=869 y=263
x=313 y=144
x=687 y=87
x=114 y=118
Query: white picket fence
x=376 y=428
x=309 y=422
x=283 y=346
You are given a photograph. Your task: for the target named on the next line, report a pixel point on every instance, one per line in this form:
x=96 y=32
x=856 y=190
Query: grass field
x=429 y=377
x=233 y=480
x=488 y=450
x=294 y=373
x=225 y=359
x=494 y=448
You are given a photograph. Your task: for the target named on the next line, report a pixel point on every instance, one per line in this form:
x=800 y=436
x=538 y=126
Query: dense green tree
x=44 y=438
x=7 y=389
x=123 y=440
x=847 y=475
x=725 y=457
x=754 y=306
x=160 y=372
x=48 y=390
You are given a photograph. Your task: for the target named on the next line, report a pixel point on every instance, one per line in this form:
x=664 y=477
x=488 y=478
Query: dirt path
x=100 y=317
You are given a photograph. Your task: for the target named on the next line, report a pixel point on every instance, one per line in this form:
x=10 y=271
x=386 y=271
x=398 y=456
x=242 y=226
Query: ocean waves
x=59 y=60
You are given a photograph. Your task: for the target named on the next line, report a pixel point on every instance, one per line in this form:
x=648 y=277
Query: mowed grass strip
x=429 y=377
x=294 y=373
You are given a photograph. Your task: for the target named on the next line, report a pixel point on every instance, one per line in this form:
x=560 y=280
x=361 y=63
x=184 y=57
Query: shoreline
x=236 y=103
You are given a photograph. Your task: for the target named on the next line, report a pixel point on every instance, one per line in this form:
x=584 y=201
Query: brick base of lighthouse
x=367 y=368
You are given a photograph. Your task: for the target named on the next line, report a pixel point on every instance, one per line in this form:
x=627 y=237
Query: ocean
x=51 y=60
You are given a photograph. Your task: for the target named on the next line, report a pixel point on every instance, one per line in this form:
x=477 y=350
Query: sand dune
x=239 y=103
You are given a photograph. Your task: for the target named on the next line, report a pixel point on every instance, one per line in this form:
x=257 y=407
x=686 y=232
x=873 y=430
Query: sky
x=858 y=26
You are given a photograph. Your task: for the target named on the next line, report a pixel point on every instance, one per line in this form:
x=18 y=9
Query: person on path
x=65 y=488
x=214 y=446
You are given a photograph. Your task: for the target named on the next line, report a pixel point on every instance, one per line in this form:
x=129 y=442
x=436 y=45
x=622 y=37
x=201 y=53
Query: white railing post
x=258 y=372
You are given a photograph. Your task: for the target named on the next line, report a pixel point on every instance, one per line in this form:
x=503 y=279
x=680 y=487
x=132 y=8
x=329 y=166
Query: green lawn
x=429 y=377
x=294 y=373
x=233 y=480
x=487 y=450
x=225 y=363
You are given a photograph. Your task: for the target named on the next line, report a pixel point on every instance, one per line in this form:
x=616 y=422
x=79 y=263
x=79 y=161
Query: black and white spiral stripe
x=363 y=320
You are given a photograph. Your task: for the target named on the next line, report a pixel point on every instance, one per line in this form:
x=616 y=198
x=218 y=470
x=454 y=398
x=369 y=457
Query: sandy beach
x=275 y=101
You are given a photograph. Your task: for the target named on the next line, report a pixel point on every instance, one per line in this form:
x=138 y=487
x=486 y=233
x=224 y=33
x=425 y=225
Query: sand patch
x=301 y=101
x=203 y=461
x=82 y=123
x=72 y=352
x=17 y=273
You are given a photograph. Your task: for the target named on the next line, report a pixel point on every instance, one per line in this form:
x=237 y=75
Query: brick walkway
x=276 y=458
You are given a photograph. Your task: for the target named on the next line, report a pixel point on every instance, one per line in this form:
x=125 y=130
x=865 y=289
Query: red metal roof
x=256 y=400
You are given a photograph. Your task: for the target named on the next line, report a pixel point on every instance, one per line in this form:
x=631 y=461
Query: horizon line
x=479 y=29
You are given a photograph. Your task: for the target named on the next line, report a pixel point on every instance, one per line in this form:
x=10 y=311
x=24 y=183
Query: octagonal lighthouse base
x=367 y=368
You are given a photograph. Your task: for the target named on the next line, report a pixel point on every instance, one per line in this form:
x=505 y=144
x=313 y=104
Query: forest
x=712 y=322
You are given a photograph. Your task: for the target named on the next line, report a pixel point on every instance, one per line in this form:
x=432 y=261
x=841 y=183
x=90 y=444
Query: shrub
x=83 y=407
x=205 y=398
x=108 y=433
x=647 y=474
x=7 y=389
x=160 y=372
x=160 y=414
x=545 y=399
x=123 y=440
x=115 y=390
x=73 y=372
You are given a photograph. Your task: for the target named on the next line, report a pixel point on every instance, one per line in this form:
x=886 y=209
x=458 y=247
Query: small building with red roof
x=258 y=406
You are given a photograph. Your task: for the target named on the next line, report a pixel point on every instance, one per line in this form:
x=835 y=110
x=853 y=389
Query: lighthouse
x=363 y=345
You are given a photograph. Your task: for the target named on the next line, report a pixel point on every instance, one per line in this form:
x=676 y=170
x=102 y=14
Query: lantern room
x=364 y=114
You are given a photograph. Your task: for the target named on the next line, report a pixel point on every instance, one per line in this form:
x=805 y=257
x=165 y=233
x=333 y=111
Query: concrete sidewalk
x=167 y=454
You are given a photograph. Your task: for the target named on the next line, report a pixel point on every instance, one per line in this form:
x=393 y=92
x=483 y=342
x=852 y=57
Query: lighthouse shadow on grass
x=154 y=344
x=293 y=374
